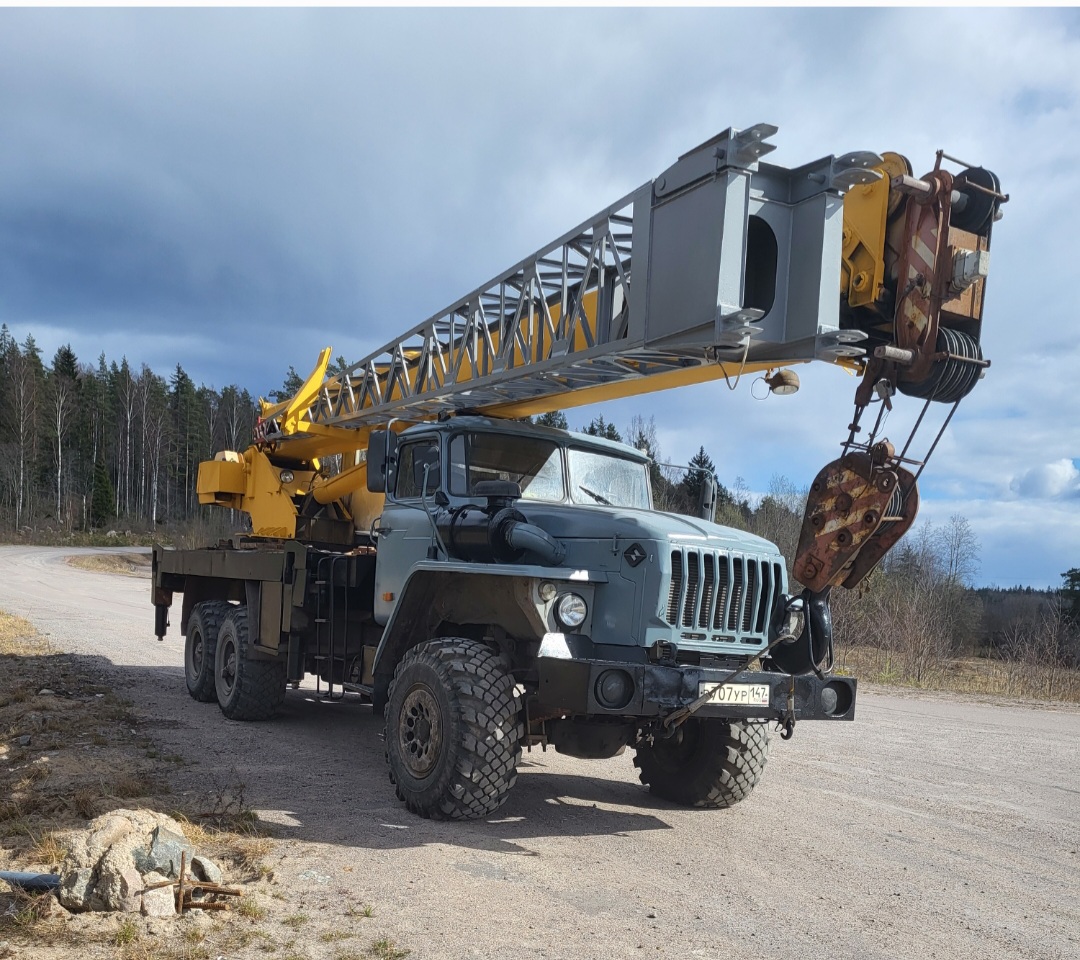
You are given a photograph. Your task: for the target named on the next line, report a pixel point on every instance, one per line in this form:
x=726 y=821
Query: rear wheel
x=453 y=730
x=246 y=689
x=200 y=646
x=706 y=763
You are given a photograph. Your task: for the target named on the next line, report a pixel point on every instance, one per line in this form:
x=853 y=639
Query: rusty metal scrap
x=186 y=887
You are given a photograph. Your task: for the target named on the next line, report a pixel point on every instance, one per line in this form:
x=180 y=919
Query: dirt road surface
x=931 y=827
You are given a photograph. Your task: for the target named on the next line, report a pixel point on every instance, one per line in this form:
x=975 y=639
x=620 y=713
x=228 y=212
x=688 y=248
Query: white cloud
x=1048 y=481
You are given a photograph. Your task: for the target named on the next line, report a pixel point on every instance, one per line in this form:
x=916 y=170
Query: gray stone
x=207 y=870
x=23 y=741
x=46 y=692
x=76 y=888
x=166 y=847
x=160 y=902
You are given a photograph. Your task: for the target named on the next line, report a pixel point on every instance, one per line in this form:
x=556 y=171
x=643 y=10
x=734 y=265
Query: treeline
x=88 y=446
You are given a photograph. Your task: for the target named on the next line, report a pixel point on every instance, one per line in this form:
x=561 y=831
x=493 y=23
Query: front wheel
x=706 y=762
x=453 y=730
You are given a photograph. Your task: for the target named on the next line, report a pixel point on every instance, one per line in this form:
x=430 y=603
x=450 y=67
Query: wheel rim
x=420 y=731
x=228 y=667
x=197 y=653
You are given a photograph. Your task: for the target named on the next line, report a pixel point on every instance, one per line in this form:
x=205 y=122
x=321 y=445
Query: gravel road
x=933 y=826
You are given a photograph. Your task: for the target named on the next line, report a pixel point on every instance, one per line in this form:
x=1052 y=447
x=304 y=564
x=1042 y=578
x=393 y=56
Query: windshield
x=534 y=464
x=608 y=480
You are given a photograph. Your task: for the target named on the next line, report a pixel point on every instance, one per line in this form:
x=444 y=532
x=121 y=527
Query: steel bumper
x=577 y=687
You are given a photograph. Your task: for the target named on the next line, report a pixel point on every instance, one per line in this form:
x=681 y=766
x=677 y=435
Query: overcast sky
x=234 y=190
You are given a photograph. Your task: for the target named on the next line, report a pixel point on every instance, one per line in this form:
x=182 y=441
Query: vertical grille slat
x=723 y=579
x=751 y=597
x=765 y=603
x=708 y=595
x=735 y=609
x=693 y=579
x=676 y=587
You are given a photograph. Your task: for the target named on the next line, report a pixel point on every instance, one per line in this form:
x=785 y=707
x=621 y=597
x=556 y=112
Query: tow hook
x=788 y=723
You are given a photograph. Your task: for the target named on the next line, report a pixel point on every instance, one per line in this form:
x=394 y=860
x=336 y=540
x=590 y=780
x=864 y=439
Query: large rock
x=103 y=868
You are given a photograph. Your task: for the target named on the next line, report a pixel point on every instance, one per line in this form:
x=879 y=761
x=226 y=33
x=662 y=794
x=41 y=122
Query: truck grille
x=729 y=598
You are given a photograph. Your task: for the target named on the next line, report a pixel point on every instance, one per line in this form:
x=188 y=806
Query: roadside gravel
x=933 y=826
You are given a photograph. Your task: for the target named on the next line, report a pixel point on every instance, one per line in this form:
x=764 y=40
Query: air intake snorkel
x=497 y=532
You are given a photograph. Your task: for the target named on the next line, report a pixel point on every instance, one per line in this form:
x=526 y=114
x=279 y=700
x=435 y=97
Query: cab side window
x=413 y=458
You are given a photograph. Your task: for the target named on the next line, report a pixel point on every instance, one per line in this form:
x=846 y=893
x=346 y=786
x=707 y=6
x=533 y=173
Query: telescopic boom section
x=722 y=265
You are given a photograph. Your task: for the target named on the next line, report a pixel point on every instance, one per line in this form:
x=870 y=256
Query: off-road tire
x=453 y=729
x=707 y=763
x=246 y=689
x=200 y=647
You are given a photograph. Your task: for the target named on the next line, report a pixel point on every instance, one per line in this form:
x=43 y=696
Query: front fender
x=460 y=592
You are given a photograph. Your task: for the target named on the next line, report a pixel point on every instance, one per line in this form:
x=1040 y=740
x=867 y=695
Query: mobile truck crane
x=492 y=585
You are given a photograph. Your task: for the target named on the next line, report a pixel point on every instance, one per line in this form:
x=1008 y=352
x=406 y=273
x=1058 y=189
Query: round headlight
x=571 y=610
x=287 y=476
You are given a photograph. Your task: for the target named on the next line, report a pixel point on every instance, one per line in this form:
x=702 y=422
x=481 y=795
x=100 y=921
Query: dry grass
x=18 y=638
x=126 y=564
x=972 y=675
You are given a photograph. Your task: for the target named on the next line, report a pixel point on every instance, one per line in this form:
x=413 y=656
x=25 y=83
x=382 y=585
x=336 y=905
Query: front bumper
x=573 y=687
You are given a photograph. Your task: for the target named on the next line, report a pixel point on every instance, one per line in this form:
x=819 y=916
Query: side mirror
x=706 y=506
x=381 y=457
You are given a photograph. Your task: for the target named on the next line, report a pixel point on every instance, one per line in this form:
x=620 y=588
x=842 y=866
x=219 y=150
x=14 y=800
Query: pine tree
x=701 y=466
x=1070 y=595
x=101 y=500
x=556 y=419
x=293 y=382
x=601 y=428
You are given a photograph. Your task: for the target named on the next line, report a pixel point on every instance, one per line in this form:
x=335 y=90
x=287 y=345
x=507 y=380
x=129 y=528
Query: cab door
x=405 y=532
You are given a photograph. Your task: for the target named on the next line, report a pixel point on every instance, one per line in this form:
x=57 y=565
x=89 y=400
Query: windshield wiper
x=596 y=496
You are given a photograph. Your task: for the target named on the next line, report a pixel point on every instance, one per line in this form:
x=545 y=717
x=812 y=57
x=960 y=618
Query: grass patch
x=295 y=920
x=126 y=564
x=18 y=638
x=364 y=910
x=126 y=933
x=250 y=908
x=386 y=949
x=971 y=675
x=334 y=936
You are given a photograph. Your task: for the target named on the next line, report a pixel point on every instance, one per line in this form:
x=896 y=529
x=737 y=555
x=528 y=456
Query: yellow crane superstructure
x=724 y=265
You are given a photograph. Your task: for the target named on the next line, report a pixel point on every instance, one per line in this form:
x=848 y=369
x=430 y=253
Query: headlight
x=571 y=610
x=287 y=476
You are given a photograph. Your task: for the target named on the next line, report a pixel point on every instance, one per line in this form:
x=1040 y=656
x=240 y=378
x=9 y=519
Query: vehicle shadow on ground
x=318 y=773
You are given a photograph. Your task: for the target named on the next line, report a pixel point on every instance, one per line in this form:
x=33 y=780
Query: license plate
x=737 y=694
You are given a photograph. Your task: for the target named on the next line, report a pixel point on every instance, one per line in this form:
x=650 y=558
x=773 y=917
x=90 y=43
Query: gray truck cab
x=539 y=550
